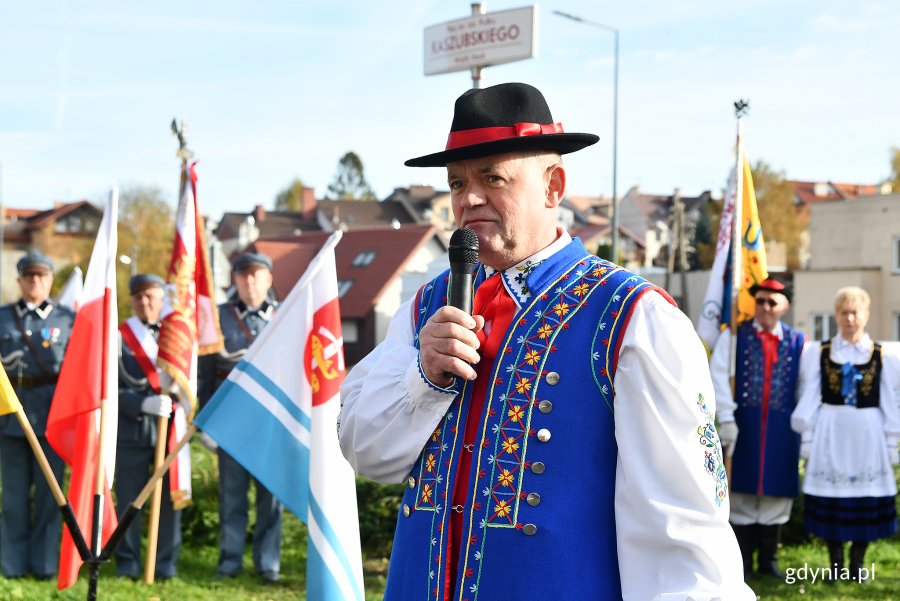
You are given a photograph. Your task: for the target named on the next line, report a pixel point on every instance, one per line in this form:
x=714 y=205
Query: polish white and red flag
x=189 y=324
x=85 y=404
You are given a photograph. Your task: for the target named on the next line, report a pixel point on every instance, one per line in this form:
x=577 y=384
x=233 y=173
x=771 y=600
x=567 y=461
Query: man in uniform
x=755 y=423
x=140 y=406
x=33 y=337
x=559 y=440
x=241 y=320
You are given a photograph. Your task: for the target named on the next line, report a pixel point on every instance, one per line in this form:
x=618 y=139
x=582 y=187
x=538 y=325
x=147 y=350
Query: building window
x=343 y=287
x=895 y=246
x=349 y=331
x=364 y=258
x=824 y=326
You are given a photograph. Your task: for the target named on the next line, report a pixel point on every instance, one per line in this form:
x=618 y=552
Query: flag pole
x=162 y=427
x=162 y=423
x=740 y=109
x=100 y=482
x=134 y=509
x=61 y=501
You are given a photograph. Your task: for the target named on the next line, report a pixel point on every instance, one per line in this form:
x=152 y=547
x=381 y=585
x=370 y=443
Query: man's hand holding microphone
x=448 y=346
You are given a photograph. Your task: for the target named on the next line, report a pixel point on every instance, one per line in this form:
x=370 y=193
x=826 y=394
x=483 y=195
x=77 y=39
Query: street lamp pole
x=614 y=213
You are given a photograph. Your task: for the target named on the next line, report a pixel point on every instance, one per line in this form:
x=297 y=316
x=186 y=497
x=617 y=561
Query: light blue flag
x=276 y=414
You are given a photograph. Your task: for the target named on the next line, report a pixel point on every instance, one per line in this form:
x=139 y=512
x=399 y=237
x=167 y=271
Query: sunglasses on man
x=767 y=301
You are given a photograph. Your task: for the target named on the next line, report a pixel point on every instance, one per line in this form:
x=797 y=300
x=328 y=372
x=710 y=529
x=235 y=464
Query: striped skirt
x=850 y=519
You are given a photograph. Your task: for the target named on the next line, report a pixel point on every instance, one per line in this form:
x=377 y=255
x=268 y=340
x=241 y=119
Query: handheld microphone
x=463 y=253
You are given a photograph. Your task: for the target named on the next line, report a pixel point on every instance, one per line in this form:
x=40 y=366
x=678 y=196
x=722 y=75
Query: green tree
x=291 y=198
x=146 y=233
x=894 y=178
x=349 y=180
x=782 y=220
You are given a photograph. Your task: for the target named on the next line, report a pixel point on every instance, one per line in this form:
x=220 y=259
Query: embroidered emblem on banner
x=323 y=359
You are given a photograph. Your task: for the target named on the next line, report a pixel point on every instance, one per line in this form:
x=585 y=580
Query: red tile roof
x=392 y=248
x=806 y=191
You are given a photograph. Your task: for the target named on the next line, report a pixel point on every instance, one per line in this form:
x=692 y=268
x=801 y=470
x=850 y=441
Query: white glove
x=208 y=442
x=805 y=446
x=158 y=404
x=728 y=433
x=893 y=454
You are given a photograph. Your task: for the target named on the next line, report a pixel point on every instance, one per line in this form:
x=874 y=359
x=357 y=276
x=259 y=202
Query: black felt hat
x=772 y=285
x=508 y=117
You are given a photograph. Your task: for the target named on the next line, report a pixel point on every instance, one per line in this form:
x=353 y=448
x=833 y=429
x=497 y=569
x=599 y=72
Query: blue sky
x=275 y=90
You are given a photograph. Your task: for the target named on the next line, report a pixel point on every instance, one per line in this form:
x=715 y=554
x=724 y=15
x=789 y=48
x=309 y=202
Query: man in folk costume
x=34 y=333
x=140 y=406
x=559 y=439
x=755 y=423
x=242 y=319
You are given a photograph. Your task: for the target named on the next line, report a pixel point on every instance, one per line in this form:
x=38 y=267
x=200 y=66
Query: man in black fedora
x=560 y=438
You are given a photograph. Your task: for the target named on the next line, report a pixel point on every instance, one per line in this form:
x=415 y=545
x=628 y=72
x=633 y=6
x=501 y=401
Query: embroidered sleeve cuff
x=423 y=391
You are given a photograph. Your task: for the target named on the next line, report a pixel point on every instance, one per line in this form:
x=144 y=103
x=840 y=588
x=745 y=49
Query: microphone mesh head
x=464 y=246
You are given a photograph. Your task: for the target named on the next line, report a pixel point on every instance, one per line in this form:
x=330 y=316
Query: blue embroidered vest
x=539 y=517
x=766 y=456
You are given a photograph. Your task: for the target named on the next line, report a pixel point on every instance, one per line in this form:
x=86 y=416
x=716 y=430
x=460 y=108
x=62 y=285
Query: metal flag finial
x=741 y=107
x=183 y=152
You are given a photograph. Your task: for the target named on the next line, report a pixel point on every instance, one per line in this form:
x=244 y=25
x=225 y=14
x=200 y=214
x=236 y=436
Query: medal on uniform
x=49 y=335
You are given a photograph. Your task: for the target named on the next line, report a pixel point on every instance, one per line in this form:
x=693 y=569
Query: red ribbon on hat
x=480 y=135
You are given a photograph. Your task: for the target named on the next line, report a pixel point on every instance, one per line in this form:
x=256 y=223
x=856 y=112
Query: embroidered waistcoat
x=868 y=391
x=539 y=516
x=765 y=459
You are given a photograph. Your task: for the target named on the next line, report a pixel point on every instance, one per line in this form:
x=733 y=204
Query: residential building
x=377 y=270
x=854 y=242
x=648 y=217
x=64 y=233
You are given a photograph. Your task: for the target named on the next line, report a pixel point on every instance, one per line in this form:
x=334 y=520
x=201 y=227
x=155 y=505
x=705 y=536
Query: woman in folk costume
x=559 y=441
x=850 y=422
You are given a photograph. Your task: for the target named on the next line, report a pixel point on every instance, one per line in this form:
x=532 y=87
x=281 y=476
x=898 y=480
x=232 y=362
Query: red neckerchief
x=770 y=357
x=140 y=354
x=494 y=303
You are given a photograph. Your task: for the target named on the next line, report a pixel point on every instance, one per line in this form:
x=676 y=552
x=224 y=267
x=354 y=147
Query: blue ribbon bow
x=849 y=377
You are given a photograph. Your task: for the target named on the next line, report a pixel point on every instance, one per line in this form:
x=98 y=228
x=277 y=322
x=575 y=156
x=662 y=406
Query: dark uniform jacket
x=32 y=345
x=136 y=428
x=240 y=327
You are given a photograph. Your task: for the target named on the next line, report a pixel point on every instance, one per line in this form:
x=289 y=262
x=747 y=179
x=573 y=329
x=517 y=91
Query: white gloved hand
x=208 y=442
x=893 y=454
x=728 y=433
x=158 y=404
x=805 y=447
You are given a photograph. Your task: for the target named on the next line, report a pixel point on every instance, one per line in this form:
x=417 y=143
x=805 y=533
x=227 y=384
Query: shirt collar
x=42 y=310
x=776 y=330
x=516 y=277
x=863 y=345
x=264 y=310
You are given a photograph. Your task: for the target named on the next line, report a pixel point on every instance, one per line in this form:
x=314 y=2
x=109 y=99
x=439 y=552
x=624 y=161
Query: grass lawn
x=197 y=562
